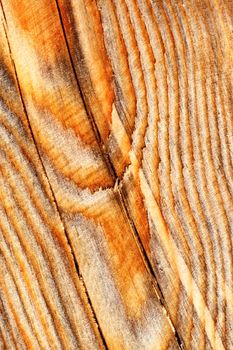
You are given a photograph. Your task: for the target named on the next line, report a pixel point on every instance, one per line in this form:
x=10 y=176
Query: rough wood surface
x=116 y=177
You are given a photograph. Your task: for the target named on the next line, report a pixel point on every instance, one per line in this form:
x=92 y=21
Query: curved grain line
x=27 y=306
x=165 y=152
x=189 y=174
x=6 y=328
x=11 y=299
x=31 y=257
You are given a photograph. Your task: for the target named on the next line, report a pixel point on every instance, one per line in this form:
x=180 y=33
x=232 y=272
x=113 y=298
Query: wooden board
x=116 y=214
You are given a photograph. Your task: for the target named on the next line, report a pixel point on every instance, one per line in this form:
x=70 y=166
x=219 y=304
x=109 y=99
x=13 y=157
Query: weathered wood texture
x=116 y=152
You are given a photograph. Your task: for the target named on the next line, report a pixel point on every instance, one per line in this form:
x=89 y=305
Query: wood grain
x=117 y=281
x=43 y=303
x=116 y=153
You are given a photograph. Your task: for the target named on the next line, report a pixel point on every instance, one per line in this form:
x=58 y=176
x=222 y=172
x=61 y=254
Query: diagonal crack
x=117 y=187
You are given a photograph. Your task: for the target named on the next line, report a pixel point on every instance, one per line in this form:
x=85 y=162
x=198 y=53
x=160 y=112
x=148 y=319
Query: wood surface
x=116 y=177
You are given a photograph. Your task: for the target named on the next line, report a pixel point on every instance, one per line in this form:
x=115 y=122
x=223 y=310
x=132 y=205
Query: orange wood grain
x=116 y=155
